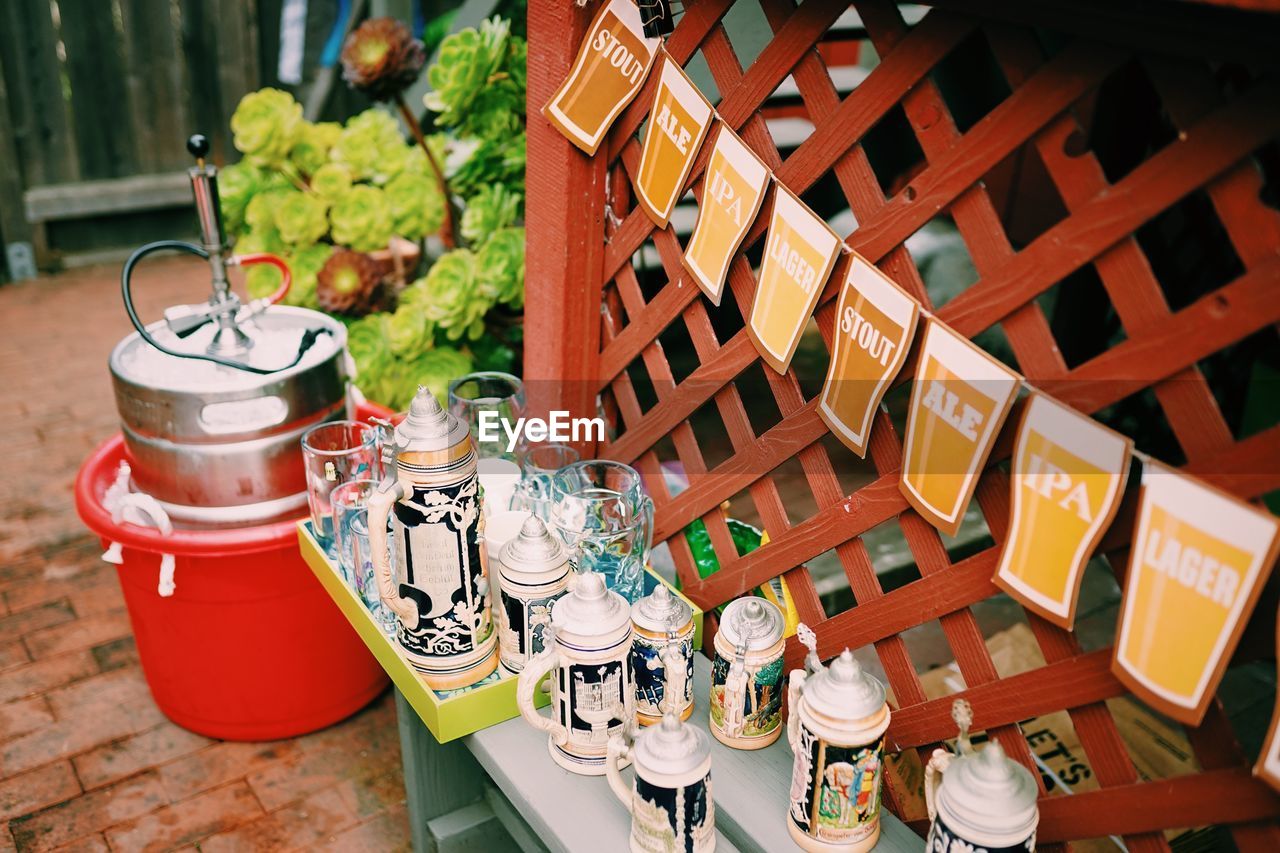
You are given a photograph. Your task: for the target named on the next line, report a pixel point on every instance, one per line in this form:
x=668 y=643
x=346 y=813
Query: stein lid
x=671 y=747
x=752 y=624
x=844 y=690
x=985 y=793
x=590 y=608
x=428 y=426
x=661 y=611
x=533 y=550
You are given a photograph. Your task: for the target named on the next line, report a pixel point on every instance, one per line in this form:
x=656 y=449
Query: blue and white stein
x=979 y=800
x=662 y=655
x=440 y=589
x=670 y=802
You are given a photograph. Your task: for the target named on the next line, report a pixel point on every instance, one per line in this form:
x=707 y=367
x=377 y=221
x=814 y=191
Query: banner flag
x=875 y=322
x=1197 y=564
x=733 y=189
x=613 y=61
x=678 y=124
x=800 y=252
x=959 y=399
x=1069 y=473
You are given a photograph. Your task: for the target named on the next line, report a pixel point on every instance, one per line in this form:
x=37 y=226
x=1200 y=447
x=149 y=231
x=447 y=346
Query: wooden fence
x=1166 y=235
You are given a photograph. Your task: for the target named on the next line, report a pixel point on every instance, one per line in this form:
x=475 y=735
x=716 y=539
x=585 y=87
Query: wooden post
x=565 y=229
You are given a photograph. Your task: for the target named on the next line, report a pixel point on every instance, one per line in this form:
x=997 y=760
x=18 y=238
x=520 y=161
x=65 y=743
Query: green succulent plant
x=467 y=61
x=492 y=208
x=311 y=151
x=300 y=218
x=266 y=125
x=451 y=297
x=416 y=206
x=361 y=219
x=308 y=192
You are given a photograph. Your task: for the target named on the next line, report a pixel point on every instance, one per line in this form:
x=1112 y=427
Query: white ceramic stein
x=589 y=657
x=979 y=799
x=533 y=571
x=836 y=730
x=662 y=655
x=670 y=803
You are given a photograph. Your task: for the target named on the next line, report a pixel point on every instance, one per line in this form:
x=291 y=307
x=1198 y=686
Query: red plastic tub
x=249 y=646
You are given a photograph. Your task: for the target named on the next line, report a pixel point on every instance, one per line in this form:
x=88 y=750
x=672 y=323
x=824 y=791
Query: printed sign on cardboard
x=733 y=188
x=798 y=256
x=678 y=124
x=1196 y=567
x=875 y=322
x=1068 y=476
x=960 y=398
x=613 y=61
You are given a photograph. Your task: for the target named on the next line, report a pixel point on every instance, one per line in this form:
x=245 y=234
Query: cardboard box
x=1158 y=747
x=447 y=714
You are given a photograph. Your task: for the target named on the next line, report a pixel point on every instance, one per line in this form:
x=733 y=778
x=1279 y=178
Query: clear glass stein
x=604 y=516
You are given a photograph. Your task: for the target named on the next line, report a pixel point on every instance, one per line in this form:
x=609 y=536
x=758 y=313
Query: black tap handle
x=198 y=145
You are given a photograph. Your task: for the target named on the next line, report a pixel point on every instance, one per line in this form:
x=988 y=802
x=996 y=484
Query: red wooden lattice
x=595 y=328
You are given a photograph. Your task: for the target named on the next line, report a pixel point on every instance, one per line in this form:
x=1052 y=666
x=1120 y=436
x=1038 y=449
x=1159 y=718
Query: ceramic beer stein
x=979 y=799
x=662 y=656
x=440 y=589
x=670 y=802
x=836 y=730
x=588 y=653
x=533 y=571
x=746 y=675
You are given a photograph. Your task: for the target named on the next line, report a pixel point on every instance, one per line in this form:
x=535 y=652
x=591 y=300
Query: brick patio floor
x=87 y=761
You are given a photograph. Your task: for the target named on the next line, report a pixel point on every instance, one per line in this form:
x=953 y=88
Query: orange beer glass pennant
x=1196 y=567
x=798 y=256
x=1068 y=476
x=678 y=124
x=612 y=63
x=874 y=325
x=733 y=189
x=960 y=398
x=1268 y=767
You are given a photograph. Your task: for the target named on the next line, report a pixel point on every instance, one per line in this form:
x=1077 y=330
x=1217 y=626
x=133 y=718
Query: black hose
x=309 y=337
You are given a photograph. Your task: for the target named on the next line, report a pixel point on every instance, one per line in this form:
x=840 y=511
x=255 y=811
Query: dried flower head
x=381 y=58
x=347 y=281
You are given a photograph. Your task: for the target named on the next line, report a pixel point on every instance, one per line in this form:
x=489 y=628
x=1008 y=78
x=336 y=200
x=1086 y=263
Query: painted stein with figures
x=746 y=675
x=836 y=730
x=533 y=571
x=979 y=799
x=662 y=655
x=588 y=654
x=439 y=591
x=670 y=801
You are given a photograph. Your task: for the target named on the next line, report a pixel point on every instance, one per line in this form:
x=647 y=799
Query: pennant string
x=846 y=249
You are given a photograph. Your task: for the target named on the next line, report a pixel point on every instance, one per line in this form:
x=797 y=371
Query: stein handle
x=938 y=764
x=617 y=750
x=530 y=677
x=794 y=688
x=672 y=663
x=646 y=513
x=380 y=554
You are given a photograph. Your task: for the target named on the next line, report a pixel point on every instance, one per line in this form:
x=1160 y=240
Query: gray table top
x=579 y=813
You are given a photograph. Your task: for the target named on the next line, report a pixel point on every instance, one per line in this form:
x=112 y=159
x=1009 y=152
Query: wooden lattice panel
x=598 y=320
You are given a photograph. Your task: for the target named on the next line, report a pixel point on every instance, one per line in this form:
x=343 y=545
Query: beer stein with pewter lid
x=588 y=654
x=670 y=802
x=662 y=655
x=979 y=799
x=533 y=571
x=836 y=730
x=746 y=675
x=440 y=588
